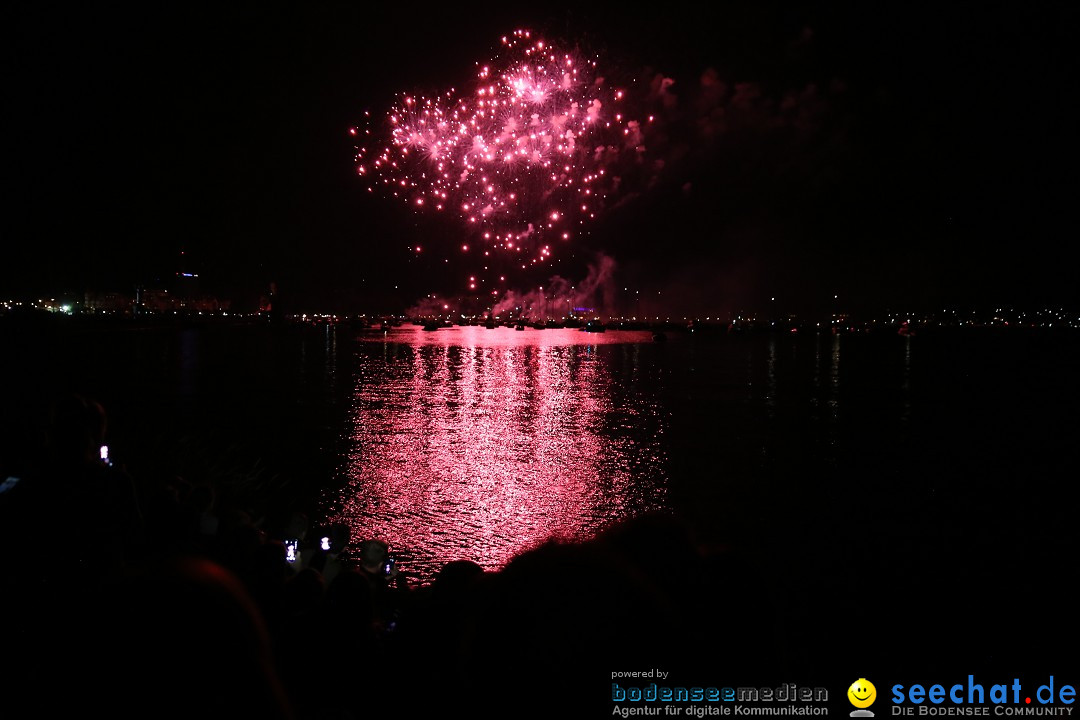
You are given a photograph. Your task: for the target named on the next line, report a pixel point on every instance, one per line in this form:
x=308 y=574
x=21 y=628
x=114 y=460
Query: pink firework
x=519 y=157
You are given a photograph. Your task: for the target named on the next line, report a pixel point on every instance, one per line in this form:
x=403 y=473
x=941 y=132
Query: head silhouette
x=78 y=429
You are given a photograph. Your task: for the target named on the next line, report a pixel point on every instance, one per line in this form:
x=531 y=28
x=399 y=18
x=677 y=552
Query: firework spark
x=521 y=157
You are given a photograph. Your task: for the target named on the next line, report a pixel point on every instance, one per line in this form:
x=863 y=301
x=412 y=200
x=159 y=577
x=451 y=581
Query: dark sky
x=937 y=164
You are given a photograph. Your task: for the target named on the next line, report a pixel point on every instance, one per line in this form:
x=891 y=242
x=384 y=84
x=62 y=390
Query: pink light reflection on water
x=468 y=443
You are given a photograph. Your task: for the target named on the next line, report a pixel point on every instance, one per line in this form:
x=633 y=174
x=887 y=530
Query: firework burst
x=521 y=157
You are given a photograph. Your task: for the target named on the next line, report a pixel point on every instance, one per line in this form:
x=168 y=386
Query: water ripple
x=478 y=444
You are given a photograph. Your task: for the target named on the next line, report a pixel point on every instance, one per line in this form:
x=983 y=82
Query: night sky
x=923 y=156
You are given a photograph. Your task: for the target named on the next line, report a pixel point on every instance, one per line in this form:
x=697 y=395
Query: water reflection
x=478 y=444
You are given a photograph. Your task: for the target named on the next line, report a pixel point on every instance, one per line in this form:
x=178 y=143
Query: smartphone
x=388 y=567
x=291 y=553
x=325 y=543
x=105 y=455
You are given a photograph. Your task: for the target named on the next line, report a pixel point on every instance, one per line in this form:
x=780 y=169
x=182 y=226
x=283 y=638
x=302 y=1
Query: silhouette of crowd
x=142 y=597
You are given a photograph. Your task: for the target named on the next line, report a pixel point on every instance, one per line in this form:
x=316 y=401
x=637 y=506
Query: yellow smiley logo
x=862 y=693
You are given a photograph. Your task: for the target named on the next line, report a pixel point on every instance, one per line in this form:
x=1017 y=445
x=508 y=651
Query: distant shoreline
x=901 y=323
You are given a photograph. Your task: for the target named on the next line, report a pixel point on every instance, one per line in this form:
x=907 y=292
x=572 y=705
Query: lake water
x=479 y=444
x=895 y=480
